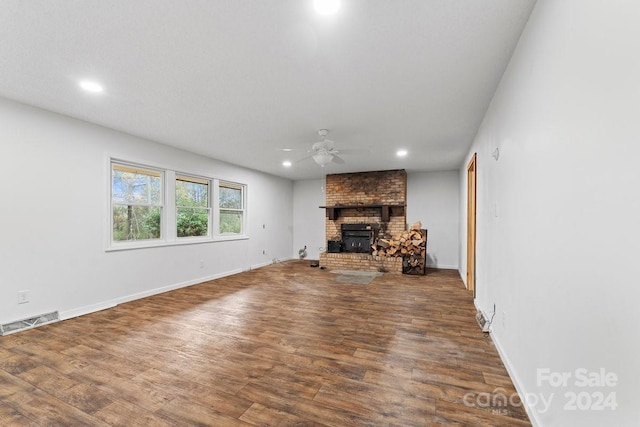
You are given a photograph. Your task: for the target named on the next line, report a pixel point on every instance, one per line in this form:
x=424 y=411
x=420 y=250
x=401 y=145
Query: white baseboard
x=516 y=380
x=81 y=311
x=443 y=266
x=173 y=287
x=267 y=263
x=260 y=265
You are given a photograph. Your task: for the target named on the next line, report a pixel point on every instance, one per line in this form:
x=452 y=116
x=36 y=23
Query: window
x=231 y=204
x=152 y=206
x=192 y=206
x=136 y=203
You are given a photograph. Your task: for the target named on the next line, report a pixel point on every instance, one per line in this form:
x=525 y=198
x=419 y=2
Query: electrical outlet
x=23 y=297
x=264 y=252
x=201 y=263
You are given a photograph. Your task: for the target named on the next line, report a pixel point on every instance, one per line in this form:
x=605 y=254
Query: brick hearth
x=361 y=262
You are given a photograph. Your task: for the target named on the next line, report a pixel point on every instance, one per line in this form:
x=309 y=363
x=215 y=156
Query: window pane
x=135 y=186
x=230 y=197
x=191 y=193
x=193 y=222
x=132 y=222
x=230 y=222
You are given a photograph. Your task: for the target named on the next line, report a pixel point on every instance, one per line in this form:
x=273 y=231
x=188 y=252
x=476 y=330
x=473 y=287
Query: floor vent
x=32 y=322
x=483 y=321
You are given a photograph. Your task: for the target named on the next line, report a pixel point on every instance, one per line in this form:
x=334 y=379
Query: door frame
x=471 y=224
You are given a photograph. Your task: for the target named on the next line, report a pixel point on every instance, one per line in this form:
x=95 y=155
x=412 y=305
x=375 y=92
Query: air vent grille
x=32 y=322
x=483 y=322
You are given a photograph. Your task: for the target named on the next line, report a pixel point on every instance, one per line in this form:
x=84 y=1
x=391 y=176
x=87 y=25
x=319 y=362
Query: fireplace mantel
x=333 y=212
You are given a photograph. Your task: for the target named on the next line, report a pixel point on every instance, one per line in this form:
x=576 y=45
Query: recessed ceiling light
x=286 y=164
x=401 y=153
x=91 y=86
x=326 y=7
x=287 y=149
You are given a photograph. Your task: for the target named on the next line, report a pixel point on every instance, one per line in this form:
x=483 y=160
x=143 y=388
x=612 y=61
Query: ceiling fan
x=323 y=151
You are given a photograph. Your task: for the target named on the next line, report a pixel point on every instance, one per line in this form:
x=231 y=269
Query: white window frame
x=210 y=215
x=168 y=209
x=242 y=210
x=162 y=205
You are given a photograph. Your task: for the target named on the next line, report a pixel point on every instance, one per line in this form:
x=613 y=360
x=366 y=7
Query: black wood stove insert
x=358 y=237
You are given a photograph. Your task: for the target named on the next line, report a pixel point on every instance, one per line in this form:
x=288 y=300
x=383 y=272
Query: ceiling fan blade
x=337 y=159
x=355 y=151
x=290 y=150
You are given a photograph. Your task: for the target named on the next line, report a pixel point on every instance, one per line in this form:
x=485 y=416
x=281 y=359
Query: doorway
x=471 y=225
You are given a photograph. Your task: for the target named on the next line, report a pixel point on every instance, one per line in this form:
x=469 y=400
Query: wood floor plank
x=12 y=418
x=283 y=345
x=47 y=379
x=260 y=415
x=365 y=398
x=498 y=417
x=140 y=393
x=316 y=412
x=12 y=384
x=186 y=412
x=126 y=414
x=210 y=397
x=292 y=382
x=48 y=410
x=17 y=364
x=43 y=355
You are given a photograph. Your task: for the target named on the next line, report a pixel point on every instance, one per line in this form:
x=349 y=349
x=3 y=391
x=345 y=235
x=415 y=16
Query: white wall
x=55 y=212
x=433 y=198
x=558 y=229
x=308 y=218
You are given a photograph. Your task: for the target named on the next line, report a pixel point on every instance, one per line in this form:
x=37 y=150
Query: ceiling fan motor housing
x=323 y=149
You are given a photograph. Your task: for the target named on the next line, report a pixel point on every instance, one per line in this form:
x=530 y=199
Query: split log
x=410 y=245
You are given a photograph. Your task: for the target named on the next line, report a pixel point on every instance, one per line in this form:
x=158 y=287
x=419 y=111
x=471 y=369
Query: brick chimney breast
x=360 y=189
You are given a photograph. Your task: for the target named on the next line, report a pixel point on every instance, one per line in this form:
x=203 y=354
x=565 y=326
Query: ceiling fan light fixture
x=91 y=86
x=322 y=159
x=326 y=7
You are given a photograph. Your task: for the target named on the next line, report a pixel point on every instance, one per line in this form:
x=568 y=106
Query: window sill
x=126 y=246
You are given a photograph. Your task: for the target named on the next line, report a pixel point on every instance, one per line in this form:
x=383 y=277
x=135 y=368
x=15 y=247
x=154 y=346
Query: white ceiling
x=238 y=80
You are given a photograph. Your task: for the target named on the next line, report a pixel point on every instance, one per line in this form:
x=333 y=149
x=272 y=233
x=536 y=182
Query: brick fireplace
x=374 y=199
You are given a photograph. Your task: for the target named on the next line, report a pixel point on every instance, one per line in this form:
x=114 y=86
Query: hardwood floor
x=284 y=345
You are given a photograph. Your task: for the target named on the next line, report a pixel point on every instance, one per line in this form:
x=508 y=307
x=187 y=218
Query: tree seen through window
x=192 y=206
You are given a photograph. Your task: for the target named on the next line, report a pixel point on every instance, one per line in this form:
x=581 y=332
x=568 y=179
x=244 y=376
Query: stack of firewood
x=410 y=245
